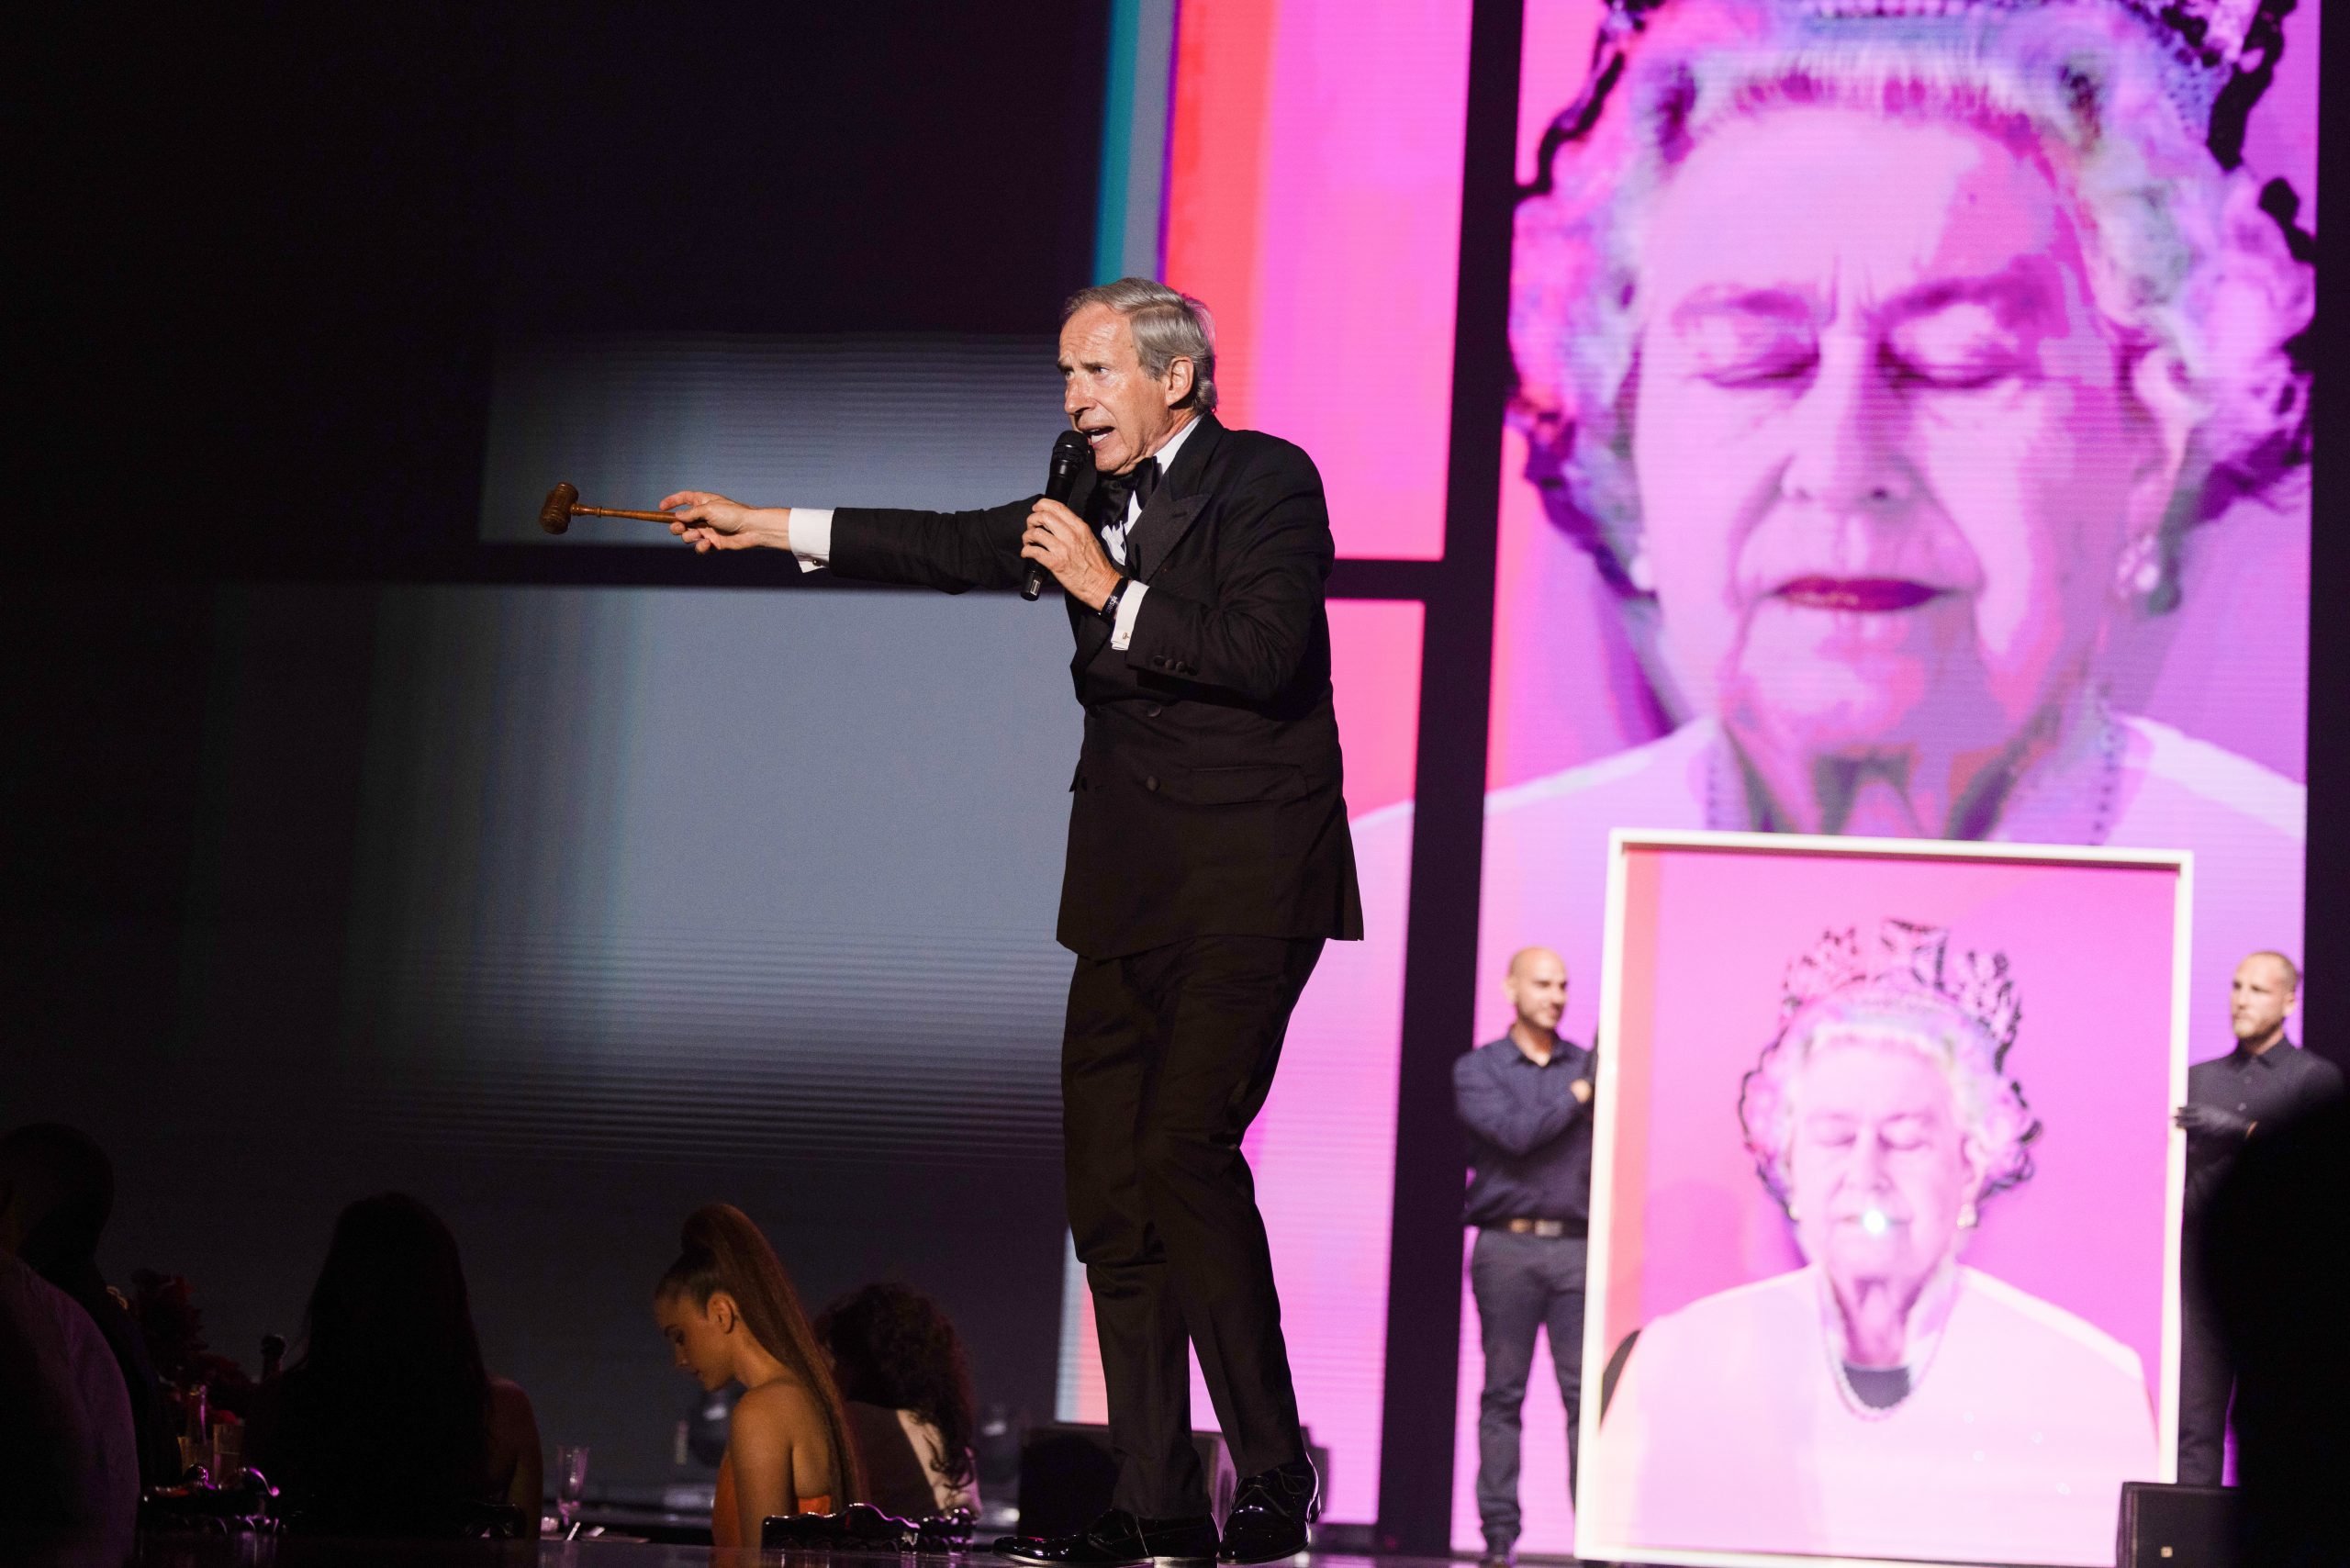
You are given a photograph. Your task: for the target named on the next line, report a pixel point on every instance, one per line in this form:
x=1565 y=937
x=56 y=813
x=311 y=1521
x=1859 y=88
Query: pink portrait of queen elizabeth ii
x=1911 y=378
x=1884 y=1400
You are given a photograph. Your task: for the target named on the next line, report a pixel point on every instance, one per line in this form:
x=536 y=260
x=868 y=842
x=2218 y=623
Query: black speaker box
x=2176 y=1527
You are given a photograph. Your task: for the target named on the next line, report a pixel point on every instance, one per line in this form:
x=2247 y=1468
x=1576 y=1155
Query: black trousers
x=2207 y=1380
x=1166 y=1059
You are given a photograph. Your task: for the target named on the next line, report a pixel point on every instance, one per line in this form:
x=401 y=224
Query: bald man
x=2265 y=1082
x=1526 y=1101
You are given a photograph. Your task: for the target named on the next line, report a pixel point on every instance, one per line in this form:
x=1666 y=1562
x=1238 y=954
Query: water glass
x=570 y=1485
x=227 y=1450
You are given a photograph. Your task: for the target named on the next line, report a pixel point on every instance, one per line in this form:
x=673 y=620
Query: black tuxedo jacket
x=1207 y=799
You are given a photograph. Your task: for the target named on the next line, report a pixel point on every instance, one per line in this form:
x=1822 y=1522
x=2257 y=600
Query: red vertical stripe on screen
x=1224 y=70
x=1375 y=671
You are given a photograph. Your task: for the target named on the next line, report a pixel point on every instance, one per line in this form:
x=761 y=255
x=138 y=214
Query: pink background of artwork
x=1714 y=931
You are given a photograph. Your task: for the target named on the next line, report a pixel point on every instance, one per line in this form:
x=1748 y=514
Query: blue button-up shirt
x=1529 y=1138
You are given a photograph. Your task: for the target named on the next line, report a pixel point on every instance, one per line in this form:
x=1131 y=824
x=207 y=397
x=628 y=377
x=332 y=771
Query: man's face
x=2260 y=998
x=1880 y=1166
x=1125 y=414
x=1537 y=989
x=1886 y=464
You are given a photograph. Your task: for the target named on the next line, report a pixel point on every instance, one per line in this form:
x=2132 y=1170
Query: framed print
x=1885 y=1199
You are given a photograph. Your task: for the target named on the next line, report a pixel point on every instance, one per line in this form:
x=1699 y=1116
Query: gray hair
x=1169 y=325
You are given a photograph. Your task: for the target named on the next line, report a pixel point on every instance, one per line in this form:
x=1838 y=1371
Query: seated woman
x=388 y=1423
x=901 y=1367
x=730 y=1316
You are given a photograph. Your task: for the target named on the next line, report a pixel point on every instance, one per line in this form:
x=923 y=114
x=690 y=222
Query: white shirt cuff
x=1122 y=630
x=811 y=536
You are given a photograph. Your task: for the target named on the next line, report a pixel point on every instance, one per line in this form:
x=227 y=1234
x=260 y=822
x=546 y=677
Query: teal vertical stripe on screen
x=1135 y=108
x=1117 y=135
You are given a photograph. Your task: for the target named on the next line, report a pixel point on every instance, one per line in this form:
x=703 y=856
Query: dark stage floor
x=250 y=1551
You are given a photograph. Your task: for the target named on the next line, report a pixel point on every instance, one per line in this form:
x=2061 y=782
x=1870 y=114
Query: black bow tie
x=1117 y=488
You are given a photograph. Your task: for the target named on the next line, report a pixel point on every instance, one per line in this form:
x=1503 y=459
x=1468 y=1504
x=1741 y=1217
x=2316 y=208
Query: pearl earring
x=1967 y=1217
x=2139 y=571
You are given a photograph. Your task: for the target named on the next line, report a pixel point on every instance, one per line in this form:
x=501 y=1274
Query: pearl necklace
x=1917 y=1365
x=1726 y=783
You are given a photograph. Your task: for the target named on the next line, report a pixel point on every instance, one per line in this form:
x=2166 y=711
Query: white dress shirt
x=812 y=538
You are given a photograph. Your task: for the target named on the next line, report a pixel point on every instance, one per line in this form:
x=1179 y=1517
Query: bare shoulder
x=506 y=1400
x=779 y=1428
x=779 y=1409
x=511 y=1419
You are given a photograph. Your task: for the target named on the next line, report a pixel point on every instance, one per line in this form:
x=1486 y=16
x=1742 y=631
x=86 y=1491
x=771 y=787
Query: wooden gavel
x=562 y=504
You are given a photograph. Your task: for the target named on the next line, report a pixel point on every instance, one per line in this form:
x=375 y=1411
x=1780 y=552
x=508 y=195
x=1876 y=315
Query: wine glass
x=570 y=1484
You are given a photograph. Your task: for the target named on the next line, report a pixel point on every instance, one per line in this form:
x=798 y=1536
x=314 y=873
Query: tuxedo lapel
x=1176 y=504
x=1162 y=523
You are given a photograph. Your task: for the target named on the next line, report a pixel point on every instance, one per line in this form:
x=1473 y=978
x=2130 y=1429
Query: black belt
x=1530 y=1227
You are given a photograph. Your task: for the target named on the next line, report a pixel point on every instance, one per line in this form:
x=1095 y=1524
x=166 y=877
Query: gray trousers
x=1522 y=1283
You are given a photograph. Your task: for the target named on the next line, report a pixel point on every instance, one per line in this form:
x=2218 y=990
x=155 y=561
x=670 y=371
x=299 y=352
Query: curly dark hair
x=894 y=1346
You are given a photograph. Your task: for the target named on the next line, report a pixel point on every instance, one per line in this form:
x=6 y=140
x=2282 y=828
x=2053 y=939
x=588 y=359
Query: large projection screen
x=1908 y=439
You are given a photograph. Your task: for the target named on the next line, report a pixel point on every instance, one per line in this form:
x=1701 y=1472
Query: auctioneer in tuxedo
x=1209 y=860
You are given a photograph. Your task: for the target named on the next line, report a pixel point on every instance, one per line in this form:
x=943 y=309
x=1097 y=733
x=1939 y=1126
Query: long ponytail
x=722 y=1250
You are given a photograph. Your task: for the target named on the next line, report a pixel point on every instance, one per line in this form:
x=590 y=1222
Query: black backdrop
x=276 y=249
x=272 y=246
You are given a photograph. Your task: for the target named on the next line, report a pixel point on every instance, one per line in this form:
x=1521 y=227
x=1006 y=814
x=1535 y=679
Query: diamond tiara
x=1911 y=958
x=2217 y=32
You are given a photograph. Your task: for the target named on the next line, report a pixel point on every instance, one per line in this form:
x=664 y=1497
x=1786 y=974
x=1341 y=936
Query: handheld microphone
x=1069 y=450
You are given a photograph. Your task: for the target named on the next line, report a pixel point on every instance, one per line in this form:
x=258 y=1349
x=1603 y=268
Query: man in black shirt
x=1526 y=1101
x=2265 y=1082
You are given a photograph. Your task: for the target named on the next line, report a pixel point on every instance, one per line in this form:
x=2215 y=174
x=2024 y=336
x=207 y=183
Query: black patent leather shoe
x=1270 y=1514
x=1119 y=1539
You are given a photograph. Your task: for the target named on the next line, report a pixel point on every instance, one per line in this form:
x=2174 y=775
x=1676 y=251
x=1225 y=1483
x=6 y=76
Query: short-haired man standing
x=1526 y=1101
x=2266 y=1081
x=1209 y=860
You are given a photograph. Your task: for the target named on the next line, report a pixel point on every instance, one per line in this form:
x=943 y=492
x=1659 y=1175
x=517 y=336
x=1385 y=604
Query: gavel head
x=554 y=516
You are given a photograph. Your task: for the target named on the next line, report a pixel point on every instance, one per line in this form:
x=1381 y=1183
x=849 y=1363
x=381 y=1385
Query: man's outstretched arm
x=950 y=550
